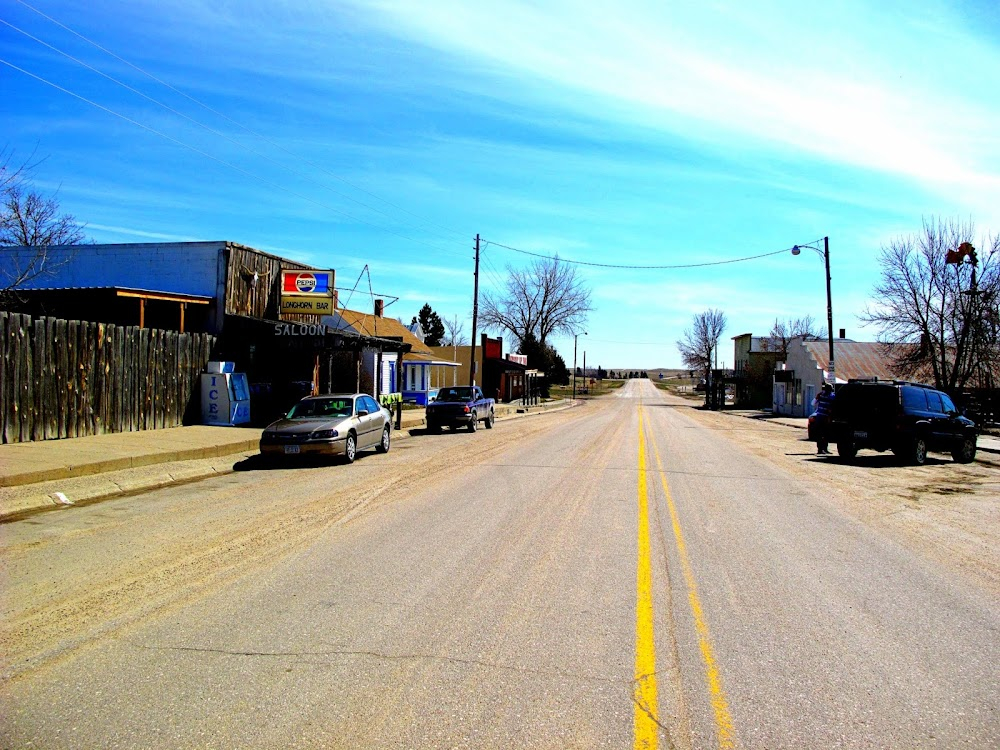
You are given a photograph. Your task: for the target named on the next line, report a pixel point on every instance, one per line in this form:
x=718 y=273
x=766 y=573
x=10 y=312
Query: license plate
x=861 y=434
x=291 y=449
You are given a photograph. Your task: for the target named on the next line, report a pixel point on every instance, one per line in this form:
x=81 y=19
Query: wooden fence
x=69 y=378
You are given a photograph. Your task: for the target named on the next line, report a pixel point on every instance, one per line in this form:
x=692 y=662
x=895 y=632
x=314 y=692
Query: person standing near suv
x=823 y=405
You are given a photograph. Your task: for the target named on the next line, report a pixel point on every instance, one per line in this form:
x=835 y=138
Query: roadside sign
x=318 y=283
x=308 y=292
x=307 y=305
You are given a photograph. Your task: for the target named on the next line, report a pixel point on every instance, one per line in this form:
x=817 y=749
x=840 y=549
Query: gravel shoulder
x=947 y=512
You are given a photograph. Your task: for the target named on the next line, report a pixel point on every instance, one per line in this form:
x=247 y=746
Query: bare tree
x=31 y=220
x=12 y=173
x=546 y=298
x=454 y=332
x=783 y=331
x=940 y=318
x=702 y=339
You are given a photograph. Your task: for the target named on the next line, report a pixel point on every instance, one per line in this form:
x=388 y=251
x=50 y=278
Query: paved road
x=612 y=576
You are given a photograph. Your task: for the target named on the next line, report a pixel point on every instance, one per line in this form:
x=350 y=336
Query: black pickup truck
x=460 y=406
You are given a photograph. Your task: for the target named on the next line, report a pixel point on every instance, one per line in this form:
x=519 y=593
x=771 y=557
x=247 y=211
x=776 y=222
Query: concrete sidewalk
x=32 y=475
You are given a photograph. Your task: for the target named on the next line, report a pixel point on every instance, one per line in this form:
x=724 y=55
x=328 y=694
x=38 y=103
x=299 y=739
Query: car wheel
x=965 y=453
x=918 y=451
x=351 y=448
x=383 y=446
x=847 y=449
x=474 y=423
x=489 y=420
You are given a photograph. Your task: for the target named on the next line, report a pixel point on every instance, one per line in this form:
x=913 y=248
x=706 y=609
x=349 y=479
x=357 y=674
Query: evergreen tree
x=432 y=326
x=545 y=359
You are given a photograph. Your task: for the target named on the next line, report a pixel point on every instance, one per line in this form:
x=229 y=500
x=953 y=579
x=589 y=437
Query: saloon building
x=225 y=289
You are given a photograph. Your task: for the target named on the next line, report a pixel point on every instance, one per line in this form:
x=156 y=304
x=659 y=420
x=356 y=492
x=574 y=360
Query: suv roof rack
x=890 y=381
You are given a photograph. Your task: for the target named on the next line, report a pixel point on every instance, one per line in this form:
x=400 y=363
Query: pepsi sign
x=308 y=283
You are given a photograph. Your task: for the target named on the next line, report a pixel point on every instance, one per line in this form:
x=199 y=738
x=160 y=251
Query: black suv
x=906 y=418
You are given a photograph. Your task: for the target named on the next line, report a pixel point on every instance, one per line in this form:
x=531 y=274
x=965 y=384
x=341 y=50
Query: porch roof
x=428 y=359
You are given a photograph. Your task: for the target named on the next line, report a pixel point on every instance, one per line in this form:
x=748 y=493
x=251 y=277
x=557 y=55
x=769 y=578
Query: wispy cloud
x=131 y=232
x=826 y=83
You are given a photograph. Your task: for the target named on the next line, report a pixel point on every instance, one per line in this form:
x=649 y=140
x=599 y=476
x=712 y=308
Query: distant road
x=616 y=575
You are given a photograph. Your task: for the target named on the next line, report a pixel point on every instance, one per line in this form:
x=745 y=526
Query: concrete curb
x=49 y=495
x=69 y=471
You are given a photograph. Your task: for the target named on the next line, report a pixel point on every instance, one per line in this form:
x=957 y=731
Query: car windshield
x=455 y=394
x=322 y=407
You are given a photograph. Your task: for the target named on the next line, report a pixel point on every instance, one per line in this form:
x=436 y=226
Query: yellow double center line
x=646 y=725
x=645 y=712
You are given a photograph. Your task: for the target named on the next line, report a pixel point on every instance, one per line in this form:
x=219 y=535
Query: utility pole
x=831 y=376
x=475 y=314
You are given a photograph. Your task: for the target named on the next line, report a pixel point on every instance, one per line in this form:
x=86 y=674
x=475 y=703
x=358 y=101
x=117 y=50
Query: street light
x=574 y=362
x=831 y=378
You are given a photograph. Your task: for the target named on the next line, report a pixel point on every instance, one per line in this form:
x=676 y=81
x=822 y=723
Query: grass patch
x=599 y=388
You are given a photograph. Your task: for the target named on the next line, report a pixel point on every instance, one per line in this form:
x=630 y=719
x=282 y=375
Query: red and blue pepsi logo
x=306 y=282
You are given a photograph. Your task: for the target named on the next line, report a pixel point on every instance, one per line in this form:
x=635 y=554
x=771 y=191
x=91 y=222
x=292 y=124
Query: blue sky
x=391 y=133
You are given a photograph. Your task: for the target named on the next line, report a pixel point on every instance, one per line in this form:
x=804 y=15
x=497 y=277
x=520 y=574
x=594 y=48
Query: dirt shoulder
x=945 y=511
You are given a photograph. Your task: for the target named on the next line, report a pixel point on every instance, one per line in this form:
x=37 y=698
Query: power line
x=242 y=171
x=638 y=268
x=491 y=271
x=211 y=130
x=629 y=343
x=222 y=115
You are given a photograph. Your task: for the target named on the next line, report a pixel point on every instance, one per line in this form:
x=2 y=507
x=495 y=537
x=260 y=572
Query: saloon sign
x=308 y=292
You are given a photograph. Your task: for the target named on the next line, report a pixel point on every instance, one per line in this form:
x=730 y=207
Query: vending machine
x=225 y=395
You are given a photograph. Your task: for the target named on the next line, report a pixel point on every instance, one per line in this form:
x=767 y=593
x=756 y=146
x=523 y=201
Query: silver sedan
x=333 y=425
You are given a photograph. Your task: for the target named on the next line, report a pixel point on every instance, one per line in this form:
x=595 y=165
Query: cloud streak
x=826 y=85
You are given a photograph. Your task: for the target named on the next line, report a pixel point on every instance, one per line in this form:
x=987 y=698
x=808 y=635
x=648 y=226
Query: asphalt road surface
x=616 y=575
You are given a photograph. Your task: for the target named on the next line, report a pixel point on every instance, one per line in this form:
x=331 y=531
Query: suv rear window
x=861 y=401
x=915 y=398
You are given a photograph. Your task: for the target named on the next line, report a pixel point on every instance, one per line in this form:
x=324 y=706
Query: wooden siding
x=260 y=298
x=68 y=378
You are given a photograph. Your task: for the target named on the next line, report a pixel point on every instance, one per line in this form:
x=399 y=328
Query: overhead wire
x=491 y=271
x=226 y=117
x=208 y=128
x=629 y=343
x=223 y=162
x=495 y=277
x=638 y=267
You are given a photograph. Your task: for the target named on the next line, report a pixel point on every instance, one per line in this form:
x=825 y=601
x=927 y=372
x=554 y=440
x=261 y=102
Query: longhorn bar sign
x=308 y=292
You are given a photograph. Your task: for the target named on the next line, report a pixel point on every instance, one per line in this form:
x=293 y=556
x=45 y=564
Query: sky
x=389 y=134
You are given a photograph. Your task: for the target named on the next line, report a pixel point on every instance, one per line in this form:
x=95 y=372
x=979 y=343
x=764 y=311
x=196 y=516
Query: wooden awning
x=144 y=295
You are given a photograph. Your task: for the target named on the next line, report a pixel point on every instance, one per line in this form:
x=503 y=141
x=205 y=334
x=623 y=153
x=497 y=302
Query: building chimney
x=843 y=333
x=379 y=308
